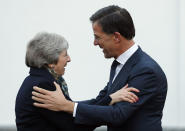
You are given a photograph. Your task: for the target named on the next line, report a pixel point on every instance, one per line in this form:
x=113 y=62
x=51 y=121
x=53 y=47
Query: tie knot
x=115 y=63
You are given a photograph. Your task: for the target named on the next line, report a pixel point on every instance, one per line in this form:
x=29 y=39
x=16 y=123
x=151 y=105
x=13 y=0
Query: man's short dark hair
x=115 y=19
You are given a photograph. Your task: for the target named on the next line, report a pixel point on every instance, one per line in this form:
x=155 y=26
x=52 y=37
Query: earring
x=51 y=66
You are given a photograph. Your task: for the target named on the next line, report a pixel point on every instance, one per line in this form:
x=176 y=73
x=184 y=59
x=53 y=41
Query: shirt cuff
x=74 y=111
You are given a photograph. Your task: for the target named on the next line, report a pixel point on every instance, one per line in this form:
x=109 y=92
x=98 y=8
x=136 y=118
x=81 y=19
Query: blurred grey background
x=160 y=27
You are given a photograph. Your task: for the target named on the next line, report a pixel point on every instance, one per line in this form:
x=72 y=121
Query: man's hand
x=124 y=94
x=52 y=100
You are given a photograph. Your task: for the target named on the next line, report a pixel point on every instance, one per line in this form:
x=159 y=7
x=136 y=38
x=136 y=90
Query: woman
x=47 y=57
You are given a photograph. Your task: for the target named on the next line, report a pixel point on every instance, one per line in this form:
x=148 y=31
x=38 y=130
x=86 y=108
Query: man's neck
x=124 y=47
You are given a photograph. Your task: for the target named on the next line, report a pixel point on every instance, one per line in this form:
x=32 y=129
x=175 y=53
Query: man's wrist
x=68 y=107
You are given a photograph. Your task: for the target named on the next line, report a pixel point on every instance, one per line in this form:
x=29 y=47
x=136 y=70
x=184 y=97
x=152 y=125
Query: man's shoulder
x=147 y=64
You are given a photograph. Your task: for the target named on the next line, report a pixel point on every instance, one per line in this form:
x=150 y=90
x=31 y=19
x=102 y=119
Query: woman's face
x=63 y=59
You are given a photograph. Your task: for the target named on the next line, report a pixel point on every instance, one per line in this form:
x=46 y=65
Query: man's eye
x=97 y=38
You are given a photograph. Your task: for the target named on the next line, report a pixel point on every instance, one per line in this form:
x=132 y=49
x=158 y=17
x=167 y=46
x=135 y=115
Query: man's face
x=63 y=59
x=105 y=41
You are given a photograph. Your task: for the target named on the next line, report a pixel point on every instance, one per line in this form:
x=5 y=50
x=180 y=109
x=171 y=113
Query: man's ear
x=117 y=37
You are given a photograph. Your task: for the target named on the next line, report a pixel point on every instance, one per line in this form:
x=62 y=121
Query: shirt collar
x=122 y=59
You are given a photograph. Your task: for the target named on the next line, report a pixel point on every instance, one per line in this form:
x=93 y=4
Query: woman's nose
x=69 y=59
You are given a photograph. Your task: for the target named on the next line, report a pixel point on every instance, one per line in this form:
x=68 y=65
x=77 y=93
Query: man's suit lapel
x=122 y=77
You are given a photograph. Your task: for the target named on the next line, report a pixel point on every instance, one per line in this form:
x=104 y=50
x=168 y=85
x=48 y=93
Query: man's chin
x=107 y=56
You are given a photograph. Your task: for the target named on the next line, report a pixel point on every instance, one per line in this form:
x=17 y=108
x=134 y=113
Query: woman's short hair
x=45 y=49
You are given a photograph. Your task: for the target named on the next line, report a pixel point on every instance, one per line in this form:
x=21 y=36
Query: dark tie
x=113 y=70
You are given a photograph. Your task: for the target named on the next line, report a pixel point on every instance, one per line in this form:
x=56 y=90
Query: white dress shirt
x=122 y=59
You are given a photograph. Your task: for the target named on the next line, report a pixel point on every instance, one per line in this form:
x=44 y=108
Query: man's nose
x=96 y=42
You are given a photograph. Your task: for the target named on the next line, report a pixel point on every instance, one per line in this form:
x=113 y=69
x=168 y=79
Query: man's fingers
x=41 y=105
x=57 y=86
x=46 y=106
x=39 y=99
x=39 y=95
x=43 y=91
x=132 y=89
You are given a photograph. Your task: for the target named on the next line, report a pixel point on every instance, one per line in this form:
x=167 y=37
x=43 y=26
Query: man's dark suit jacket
x=143 y=73
x=30 y=118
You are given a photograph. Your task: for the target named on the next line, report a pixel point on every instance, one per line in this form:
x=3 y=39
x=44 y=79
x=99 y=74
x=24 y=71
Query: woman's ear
x=117 y=37
x=51 y=66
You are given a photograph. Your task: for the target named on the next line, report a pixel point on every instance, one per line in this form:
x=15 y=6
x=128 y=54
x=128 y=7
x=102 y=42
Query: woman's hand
x=124 y=94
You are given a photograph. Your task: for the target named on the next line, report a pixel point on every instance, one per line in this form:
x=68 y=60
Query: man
x=114 y=32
